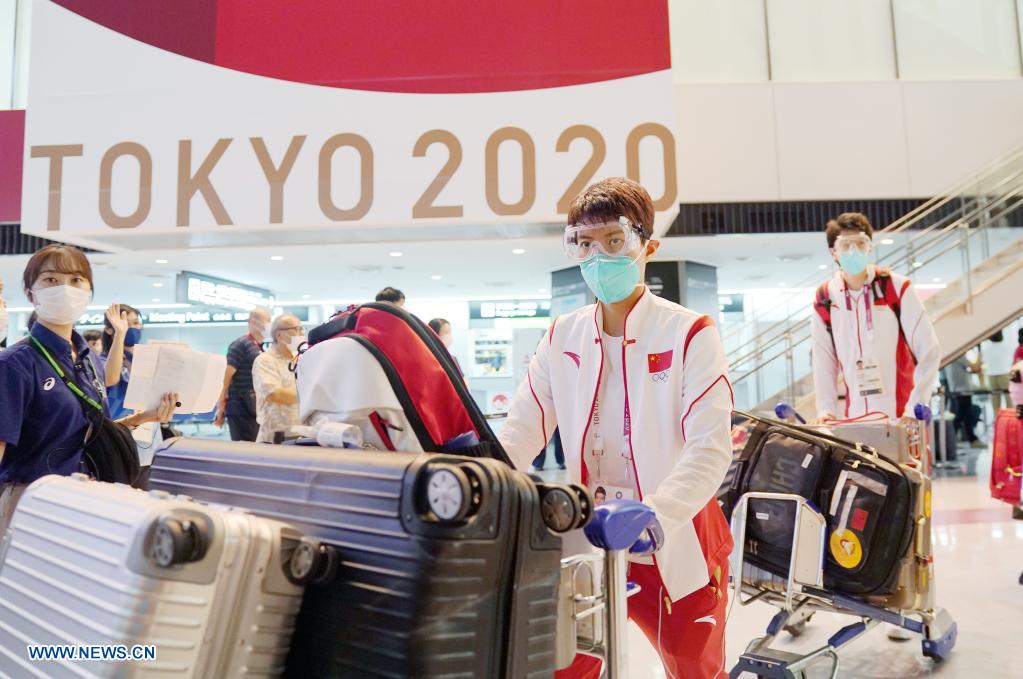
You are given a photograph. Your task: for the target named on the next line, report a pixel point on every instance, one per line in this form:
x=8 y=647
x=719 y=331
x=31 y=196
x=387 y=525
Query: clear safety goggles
x=583 y=241
x=859 y=242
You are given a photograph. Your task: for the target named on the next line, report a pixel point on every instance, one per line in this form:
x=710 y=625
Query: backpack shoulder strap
x=887 y=292
x=822 y=305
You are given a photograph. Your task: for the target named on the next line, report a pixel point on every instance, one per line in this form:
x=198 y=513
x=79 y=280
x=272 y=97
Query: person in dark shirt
x=43 y=423
x=238 y=398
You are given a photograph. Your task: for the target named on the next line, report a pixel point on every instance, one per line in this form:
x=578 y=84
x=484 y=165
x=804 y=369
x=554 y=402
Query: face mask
x=611 y=278
x=447 y=339
x=62 y=304
x=132 y=337
x=853 y=262
x=295 y=342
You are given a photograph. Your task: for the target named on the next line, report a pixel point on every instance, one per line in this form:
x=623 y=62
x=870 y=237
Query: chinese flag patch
x=659 y=362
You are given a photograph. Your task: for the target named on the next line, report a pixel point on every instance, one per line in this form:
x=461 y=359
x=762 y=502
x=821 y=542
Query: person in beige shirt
x=274 y=381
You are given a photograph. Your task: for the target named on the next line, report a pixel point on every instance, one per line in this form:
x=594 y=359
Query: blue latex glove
x=786 y=412
x=625 y=524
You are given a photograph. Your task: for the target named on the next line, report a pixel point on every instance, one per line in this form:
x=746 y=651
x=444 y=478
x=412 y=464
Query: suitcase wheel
x=561 y=508
x=177 y=541
x=585 y=503
x=450 y=495
x=311 y=564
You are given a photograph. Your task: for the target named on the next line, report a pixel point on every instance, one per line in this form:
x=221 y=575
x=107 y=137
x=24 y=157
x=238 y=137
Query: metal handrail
x=972 y=219
x=951 y=230
x=905 y=222
x=891 y=258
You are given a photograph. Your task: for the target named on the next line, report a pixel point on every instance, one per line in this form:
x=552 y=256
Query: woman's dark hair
x=108 y=330
x=438 y=323
x=92 y=335
x=60 y=258
x=1019 y=336
x=611 y=198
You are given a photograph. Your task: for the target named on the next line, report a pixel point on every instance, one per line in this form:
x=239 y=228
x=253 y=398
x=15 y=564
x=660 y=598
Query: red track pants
x=690 y=645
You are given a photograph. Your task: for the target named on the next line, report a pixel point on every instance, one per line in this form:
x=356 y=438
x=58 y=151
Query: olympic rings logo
x=661 y=376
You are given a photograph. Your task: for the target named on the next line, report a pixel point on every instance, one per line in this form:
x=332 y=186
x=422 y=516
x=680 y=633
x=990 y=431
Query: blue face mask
x=132 y=337
x=853 y=262
x=611 y=278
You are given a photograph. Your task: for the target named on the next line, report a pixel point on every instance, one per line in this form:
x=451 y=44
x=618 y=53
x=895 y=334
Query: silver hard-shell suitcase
x=209 y=588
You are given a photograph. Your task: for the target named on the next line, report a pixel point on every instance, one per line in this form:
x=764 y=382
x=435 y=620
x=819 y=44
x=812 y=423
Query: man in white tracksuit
x=869 y=326
x=638 y=389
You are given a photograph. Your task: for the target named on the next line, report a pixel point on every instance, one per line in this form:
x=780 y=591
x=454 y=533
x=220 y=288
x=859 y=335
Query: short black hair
x=92 y=335
x=437 y=323
x=392 y=295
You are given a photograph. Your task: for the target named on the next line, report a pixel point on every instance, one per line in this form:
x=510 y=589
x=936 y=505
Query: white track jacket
x=908 y=356
x=680 y=400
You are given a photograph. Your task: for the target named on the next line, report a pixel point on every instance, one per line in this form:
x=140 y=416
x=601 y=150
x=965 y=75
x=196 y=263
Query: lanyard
x=866 y=303
x=60 y=373
x=598 y=439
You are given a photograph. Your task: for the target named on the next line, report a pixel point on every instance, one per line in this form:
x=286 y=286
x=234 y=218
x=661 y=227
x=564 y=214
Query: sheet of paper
x=157 y=369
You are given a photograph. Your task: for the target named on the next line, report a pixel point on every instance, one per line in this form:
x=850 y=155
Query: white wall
x=805 y=141
x=7 y=22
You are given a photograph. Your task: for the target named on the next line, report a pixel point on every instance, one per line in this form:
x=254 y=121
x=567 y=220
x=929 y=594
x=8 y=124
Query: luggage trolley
x=594 y=592
x=801 y=593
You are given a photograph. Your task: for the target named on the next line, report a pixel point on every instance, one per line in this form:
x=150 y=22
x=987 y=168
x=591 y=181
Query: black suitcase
x=446 y=566
x=867 y=502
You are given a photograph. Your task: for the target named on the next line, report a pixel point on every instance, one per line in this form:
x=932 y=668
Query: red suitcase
x=1007 y=458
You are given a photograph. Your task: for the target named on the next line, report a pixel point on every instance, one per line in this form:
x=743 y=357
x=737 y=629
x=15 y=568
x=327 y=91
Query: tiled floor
x=978 y=560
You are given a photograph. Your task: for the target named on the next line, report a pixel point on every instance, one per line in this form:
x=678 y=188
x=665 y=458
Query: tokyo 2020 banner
x=236 y=117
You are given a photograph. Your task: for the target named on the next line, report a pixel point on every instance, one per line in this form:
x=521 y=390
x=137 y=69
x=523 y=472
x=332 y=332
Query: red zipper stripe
x=543 y=419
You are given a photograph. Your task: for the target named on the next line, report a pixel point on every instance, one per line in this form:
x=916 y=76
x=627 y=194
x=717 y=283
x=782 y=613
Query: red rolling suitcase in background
x=1007 y=457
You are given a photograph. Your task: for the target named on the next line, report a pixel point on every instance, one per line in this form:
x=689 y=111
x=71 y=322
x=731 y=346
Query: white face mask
x=295 y=342
x=62 y=304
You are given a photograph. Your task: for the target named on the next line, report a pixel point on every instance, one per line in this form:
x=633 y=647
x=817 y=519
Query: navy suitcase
x=448 y=566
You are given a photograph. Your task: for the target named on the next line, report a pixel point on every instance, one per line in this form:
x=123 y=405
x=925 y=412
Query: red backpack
x=380 y=368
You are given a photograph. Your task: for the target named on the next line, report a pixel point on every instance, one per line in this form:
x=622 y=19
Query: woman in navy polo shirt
x=42 y=423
